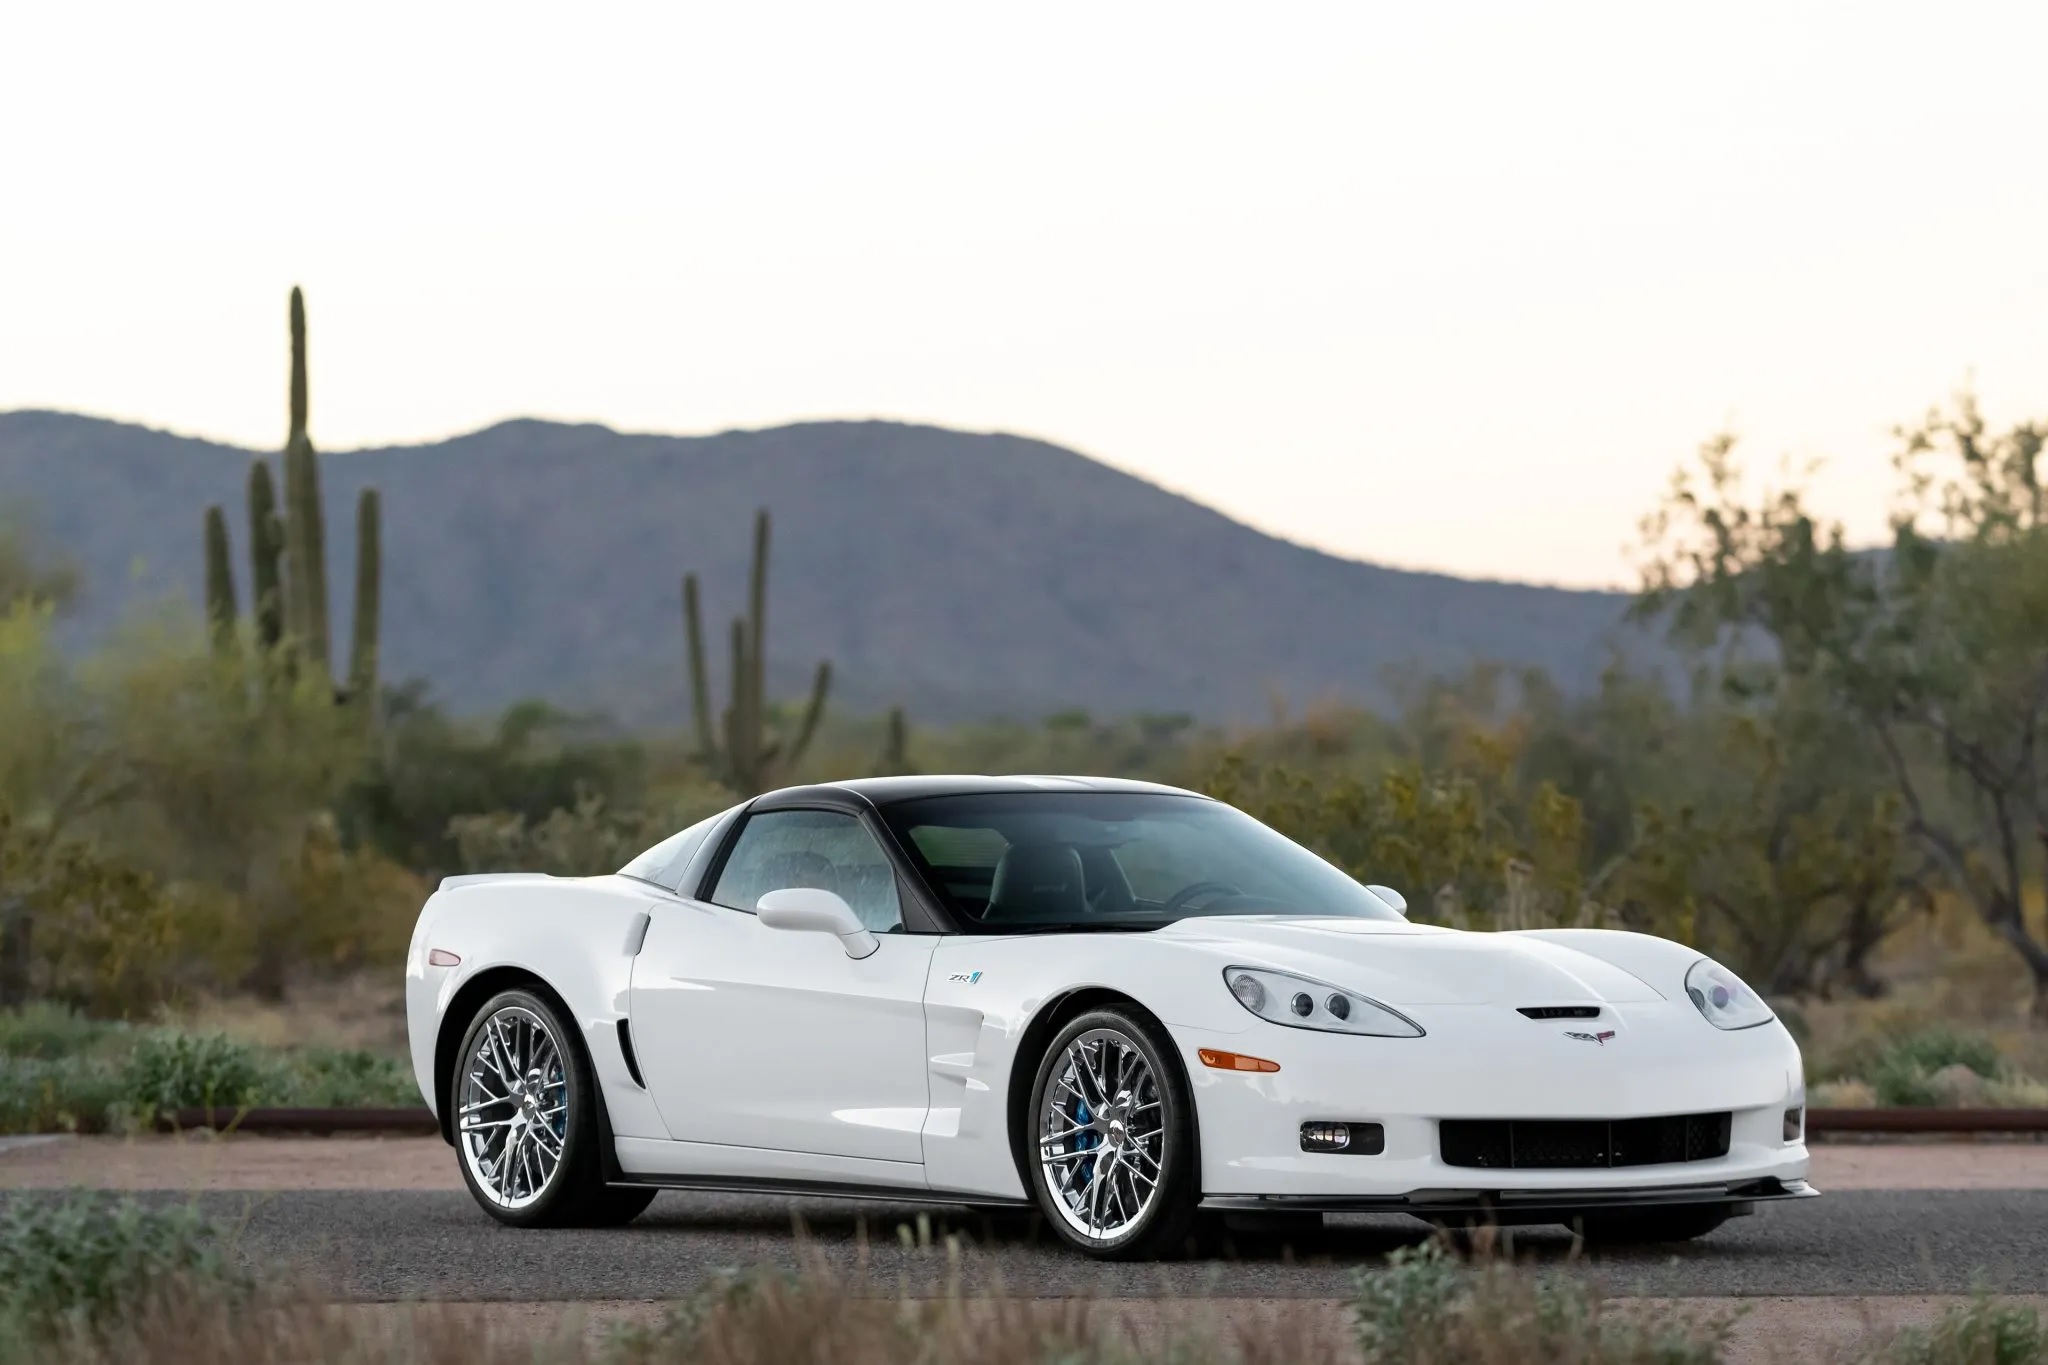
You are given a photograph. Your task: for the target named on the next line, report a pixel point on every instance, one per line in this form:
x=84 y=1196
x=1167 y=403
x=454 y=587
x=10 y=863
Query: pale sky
x=1449 y=286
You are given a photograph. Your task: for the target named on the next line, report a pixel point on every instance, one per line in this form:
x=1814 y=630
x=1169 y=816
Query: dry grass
x=1442 y=1304
x=363 y=1010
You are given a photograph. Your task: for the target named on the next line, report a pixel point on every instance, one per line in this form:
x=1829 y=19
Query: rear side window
x=665 y=863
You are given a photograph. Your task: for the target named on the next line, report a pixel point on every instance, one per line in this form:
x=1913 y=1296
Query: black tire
x=1166 y=1224
x=1647 y=1227
x=575 y=1193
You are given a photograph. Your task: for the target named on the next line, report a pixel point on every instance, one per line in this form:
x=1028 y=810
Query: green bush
x=60 y=1072
x=1427 y=1308
x=1900 y=1068
x=46 y=1030
x=339 y=1078
x=80 y=1094
x=85 y=1262
x=189 y=1070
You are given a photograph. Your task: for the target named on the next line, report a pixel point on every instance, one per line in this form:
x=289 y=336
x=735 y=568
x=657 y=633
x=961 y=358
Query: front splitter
x=1520 y=1206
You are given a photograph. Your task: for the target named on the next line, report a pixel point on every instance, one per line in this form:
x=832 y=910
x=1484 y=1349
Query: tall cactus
x=305 y=522
x=266 y=551
x=288 y=551
x=895 y=760
x=745 y=756
x=362 y=649
x=220 y=580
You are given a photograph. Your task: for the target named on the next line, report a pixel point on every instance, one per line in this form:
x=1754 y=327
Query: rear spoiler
x=478 y=878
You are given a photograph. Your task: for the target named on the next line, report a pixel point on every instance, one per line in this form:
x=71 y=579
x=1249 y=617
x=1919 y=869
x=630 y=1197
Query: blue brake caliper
x=1085 y=1142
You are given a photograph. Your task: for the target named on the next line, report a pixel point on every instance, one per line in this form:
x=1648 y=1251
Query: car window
x=784 y=848
x=1113 y=860
x=665 y=862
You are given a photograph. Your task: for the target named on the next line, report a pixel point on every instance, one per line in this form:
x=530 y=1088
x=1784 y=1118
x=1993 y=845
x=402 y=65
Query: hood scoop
x=1559 y=1011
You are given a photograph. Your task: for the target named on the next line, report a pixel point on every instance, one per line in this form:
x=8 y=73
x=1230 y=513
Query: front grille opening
x=1559 y=1144
x=1559 y=1011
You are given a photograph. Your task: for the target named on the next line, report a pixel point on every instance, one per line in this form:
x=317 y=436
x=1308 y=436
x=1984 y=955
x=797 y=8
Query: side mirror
x=1393 y=898
x=817 y=910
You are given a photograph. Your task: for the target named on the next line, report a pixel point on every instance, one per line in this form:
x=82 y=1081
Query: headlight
x=1298 y=1002
x=1722 y=997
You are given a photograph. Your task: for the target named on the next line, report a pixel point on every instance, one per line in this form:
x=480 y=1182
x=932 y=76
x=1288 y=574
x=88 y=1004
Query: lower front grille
x=1532 y=1144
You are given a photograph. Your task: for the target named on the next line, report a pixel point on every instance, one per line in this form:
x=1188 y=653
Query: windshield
x=1019 y=862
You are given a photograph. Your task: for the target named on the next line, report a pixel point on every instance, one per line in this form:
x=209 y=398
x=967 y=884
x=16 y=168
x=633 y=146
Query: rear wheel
x=1649 y=1226
x=525 y=1122
x=1111 y=1127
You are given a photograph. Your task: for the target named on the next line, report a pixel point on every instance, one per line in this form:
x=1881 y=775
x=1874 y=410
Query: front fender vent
x=626 y=1050
x=1559 y=1011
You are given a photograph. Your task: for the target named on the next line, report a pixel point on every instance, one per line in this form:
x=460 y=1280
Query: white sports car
x=1132 y=1006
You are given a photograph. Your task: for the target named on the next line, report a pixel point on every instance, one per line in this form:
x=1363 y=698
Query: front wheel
x=526 y=1130
x=1111 y=1130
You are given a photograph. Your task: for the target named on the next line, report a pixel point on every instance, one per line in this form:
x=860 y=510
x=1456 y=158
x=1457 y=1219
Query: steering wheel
x=1193 y=889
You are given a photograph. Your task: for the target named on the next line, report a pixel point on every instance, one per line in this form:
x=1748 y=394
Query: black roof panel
x=887 y=790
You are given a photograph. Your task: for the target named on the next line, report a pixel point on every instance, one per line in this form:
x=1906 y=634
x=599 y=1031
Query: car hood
x=1416 y=964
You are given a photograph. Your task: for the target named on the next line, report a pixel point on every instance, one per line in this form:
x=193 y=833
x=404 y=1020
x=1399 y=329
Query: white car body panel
x=772 y=1056
x=818 y=1052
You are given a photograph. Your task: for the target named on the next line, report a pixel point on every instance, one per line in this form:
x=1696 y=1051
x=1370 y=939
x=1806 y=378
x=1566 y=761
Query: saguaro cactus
x=266 y=550
x=220 y=580
x=895 y=746
x=362 y=649
x=305 y=522
x=747 y=756
x=288 y=551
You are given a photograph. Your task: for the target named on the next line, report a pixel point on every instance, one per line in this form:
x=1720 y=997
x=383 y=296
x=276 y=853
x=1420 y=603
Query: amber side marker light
x=1236 y=1061
x=441 y=957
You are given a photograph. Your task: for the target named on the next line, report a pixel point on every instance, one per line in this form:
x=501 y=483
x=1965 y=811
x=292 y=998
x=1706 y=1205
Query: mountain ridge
x=958 y=573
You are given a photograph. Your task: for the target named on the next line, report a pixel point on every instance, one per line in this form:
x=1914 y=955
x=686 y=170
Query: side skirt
x=817 y=1189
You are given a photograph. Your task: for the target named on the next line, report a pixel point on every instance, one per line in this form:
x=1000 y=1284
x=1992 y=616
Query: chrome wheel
x=513 y=1123
x=1101 y=1135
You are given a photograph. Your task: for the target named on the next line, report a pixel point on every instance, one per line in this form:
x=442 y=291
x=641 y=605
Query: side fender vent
x=1559 y=1011
x=626 y=1050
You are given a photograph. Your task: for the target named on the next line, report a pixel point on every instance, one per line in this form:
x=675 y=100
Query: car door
x=776 y=1039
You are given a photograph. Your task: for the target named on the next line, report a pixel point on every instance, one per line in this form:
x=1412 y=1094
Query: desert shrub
x=1428 y=1308
x=80 y=1263
x=353 y=906
x=169 y=1070
x=1915 y=1067
x=342 y=1078
x=82 y=1094
x=103 y=935
x=62 y=1072
x=1929 y=1050
x=48 y=1030
x=1980 y=1332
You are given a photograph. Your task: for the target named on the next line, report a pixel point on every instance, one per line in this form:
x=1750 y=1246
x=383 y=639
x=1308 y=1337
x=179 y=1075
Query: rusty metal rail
x=1908 y=1121
x=1902 y=1122
x=417 y=1119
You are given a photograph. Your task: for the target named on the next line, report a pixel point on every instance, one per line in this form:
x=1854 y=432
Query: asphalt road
x=386 y=1245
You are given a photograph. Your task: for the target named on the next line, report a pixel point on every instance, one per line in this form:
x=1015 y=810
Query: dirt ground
x=204 y=1161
